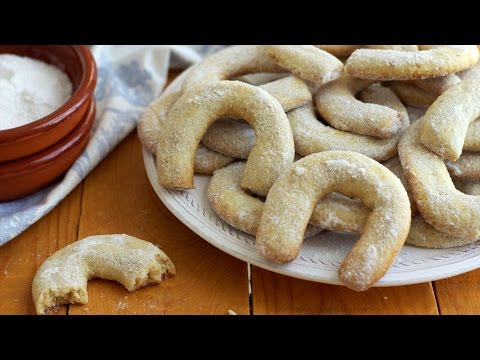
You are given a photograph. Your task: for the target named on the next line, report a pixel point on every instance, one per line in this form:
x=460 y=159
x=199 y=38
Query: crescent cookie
x=149 y=126
x=231 y=62
x=395 y=167
x=411 y=65
x=291 y=92
x=231 y=137
x=472 y=139
x=292 y=199
x=242 y=210
x=337 y=104
x=440 y=203
x=201 y=106
x=446 y=122
x=412 y=95
x=132 y=262
x=437 y=86
x=311 y=136
x=307 y=62
x=394 y=47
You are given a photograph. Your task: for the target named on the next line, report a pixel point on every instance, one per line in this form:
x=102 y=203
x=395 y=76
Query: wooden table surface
x=118 y=198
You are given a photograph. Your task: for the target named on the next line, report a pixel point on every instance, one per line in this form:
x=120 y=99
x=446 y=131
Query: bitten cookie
x=132 y=262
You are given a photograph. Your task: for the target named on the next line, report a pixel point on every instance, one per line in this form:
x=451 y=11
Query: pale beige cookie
x=307 y=62
x=311 y=136
x=236 y=206
x=337 y=212
x=346 y=50
x=395 y=167
x=393 y=47
x=466 y=167
x=292 y=199
x=441 y=204
x=260 y=78
x=207 y=161
x=291 y=92
x=201 y=106
x=446 y=122
x=411 y=65
x=339 y=50
x=229 y=63
x=351 y=214
x=150 y=124
x=337 y=104
x=242 y=210
x=423 y=235
x=472 y=139
x=437 y=86
x=132 y=262
x=412 y=95
x=234 y=138
x=381 y=95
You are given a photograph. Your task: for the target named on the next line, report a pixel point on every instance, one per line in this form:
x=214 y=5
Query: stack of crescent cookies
x=379 y=140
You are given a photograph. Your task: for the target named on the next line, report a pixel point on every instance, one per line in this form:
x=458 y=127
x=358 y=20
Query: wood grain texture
x=118 y=198
x=459 y=294
x=21 y=257
x=278 y=294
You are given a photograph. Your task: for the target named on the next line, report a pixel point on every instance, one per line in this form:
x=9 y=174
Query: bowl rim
x=83 y=92
x=54 y=152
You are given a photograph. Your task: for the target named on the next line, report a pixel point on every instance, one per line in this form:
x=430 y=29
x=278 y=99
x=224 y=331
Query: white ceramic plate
x=320 y=256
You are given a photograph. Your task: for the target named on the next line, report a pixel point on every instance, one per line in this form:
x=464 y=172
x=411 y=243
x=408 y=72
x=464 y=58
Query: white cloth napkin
x=129 y=78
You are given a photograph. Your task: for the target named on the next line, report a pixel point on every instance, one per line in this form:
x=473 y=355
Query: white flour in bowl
x=29 y=90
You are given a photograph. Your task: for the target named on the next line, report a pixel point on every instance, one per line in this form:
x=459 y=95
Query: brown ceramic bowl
x=78 y=63
x=22 y=177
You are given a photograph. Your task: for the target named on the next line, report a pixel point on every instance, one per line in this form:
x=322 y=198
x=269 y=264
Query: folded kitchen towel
x=129 y=78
